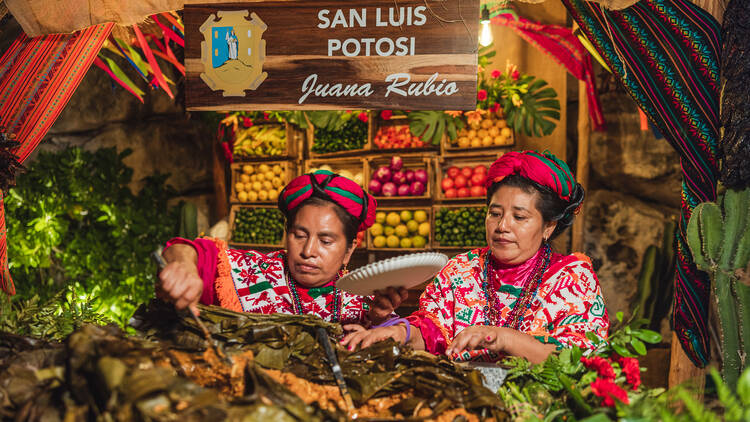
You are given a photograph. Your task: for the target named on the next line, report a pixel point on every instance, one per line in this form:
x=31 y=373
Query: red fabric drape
x=37 y=78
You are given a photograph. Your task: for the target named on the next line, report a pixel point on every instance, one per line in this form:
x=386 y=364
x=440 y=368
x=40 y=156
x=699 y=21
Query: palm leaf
x=431 y=126
x=536 y=114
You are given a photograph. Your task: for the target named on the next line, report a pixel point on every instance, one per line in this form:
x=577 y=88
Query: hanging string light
x=485 y=37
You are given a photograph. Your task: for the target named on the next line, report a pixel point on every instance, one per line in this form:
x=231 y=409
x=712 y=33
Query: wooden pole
x=582 y=163
x=220 y=205
x=681 y=369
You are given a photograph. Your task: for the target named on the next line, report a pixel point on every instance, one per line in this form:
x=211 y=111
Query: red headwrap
x=331 y=187
x=544 y=168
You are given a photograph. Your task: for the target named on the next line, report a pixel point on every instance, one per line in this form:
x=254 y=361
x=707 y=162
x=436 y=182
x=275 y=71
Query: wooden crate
x=289 y=170
x=294 y=142
x=376 y=123
x=310 y=135
x=233 y=214
x=413 y=162
x=387 y=210
x=435 y=243
x=443 y=163
x=448 y=149
x=352 y=164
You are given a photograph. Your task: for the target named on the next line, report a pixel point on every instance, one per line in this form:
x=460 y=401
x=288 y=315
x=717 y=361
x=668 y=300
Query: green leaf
x=647 y=335
x=638 y=346
x=619 y=315
x=621 y=350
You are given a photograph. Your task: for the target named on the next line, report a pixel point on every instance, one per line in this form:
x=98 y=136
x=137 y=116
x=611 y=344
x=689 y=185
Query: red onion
x=398 y=177
x=396 y=163
x=383 y=174
x=420 y=176
x=417 y=188
x=404 y=190
x=375 y=187
x=409 y=176
x=389 y=189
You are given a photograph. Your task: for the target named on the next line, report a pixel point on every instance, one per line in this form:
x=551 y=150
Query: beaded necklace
x=493 y=308
x=297 y=302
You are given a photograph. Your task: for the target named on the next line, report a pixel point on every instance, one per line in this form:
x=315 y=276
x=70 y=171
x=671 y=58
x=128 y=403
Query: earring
x=345 y=270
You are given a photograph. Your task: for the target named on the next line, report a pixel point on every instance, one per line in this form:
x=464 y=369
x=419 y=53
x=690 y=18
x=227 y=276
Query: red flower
x=495 y=107
x=495 y=74
x=386 y=114
x=227 y=152
x=266 y=115
x=246 y=121
x=600 y=365
x=608 y=390
x=482 y=95
x=631 y=370
x=362 y=116
x=515 y=75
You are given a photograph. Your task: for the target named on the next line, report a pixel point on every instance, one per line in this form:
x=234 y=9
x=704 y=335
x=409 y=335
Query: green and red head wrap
x=331 y=187
x=542 y=168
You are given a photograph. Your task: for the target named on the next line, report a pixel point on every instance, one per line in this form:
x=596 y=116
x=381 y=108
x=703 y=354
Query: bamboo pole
x=582 y=163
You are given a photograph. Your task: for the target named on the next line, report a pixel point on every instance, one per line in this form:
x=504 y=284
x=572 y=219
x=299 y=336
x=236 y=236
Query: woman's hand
x=358 y=336
x=479 y=337
x=385 y=302
x=180 y=284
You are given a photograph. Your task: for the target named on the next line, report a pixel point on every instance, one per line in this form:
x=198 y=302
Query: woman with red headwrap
x=324 y=212
x=515 y=297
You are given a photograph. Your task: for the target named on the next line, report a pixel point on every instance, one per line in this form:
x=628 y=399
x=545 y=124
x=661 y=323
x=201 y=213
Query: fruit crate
x=310 y=135
x=497 y=123
x=438 y=245
x=377 y=124
x=295 y=138
x=442 y=164
x=388 y=210
x=288 y=171
x=411 y=162
x=233 y=225
x=352 y=165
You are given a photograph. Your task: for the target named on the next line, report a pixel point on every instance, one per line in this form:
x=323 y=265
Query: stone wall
x=634 y=188
x=164 y=138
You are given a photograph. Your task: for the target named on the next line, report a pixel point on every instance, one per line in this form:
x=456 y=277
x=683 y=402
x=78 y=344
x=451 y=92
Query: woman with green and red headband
x=515 y=296
x=324 y=212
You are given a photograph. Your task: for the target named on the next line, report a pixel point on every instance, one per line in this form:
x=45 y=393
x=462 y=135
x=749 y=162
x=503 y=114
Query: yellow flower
x=474 y=116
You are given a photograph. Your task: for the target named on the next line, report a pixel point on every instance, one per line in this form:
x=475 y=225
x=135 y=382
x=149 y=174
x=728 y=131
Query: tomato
x=463 y=193
x=478 y=179
x=476 y=191
x=480 y=169
x=484 y=191
x=453 y=172
x=451 y=193
x=447 y=184
x=460 y=181
x=467 y=172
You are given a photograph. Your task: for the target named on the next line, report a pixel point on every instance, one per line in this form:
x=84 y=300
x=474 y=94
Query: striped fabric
x=37 y=78
x=666 y=54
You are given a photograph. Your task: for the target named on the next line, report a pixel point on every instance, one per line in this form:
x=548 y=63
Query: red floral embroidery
x=608 y=391
x=600 y=365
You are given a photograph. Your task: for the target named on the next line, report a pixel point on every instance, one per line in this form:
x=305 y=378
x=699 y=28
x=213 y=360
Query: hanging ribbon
x=565 y=48
x=118 y=75
x=168 y=33
x=152 y=61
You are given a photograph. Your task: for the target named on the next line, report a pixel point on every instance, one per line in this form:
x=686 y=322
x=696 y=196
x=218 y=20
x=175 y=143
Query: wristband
x=395 y=321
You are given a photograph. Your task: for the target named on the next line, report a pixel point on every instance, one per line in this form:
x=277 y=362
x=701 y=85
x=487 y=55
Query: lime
x=420 y=216
x=389 y=230
x=412 y=225
x=424 y=229
x=401 y=230
x=380 y=217
x=406 y=242
x=376 y=229
x=392 y=241
x=392 y=219
x=379 y=241
x=418 y=241
x=406 y=216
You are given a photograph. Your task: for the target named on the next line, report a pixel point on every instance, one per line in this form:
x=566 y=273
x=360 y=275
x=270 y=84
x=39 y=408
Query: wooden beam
x=582 y=163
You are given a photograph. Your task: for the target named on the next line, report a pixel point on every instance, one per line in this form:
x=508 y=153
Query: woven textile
x=666 y=54
x=37 y=78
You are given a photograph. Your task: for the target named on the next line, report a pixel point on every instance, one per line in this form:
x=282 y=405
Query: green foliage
x=718 y=234
x=74 y=225
x=338 y=131
x=433 y=125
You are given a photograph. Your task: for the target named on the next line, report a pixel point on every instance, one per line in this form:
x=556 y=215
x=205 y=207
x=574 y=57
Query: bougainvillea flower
x=608 y=391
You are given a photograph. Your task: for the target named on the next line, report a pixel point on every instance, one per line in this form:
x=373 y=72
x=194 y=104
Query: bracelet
x=395 y=321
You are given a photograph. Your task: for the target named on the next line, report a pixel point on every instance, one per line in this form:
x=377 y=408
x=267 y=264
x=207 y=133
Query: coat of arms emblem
x=233 y=52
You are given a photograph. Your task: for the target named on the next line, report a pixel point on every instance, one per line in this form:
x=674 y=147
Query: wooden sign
x=374 y=54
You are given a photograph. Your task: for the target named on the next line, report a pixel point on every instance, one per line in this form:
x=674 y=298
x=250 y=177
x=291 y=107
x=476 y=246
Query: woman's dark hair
x=548 y=203
x=351 y=225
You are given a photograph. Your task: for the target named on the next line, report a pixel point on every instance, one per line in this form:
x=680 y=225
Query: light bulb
x=485 y=38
